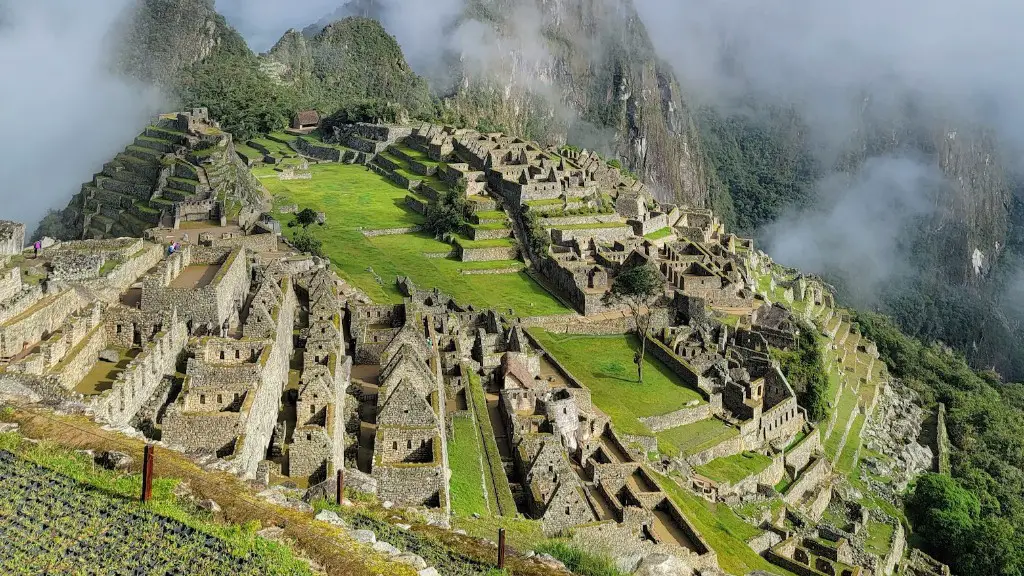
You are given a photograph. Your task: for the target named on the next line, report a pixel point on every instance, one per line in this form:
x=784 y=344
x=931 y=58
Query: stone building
x=12 y=238
x=318 y=442
x=409 y=458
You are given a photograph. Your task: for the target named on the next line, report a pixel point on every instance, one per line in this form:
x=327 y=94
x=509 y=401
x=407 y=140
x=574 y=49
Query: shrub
x=306 y=242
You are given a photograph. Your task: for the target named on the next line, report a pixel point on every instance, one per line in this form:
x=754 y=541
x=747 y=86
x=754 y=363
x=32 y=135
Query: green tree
x=448 y=214
x=536 y=235
x=804 y=368
x=308 y=243
x=945 y=510
x=638 y=287
x=306 y=216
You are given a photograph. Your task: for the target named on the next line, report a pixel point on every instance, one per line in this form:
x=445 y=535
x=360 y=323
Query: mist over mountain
x=61 y=91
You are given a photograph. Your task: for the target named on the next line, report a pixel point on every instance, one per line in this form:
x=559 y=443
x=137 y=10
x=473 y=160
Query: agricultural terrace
x=697 y=437
x=734 y=468
x=604 y=364
x=465 y=458
x=355 y=200
x=52 y=524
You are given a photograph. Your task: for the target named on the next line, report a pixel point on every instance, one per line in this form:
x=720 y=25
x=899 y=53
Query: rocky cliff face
x=161 y=38
x=582 y=70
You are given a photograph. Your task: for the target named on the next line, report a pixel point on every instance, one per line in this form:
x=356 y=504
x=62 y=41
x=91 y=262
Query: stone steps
x=158 y=144
x=143 y=153
x=166 y=134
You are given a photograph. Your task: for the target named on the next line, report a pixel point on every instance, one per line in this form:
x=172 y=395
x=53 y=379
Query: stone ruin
x=182 y=167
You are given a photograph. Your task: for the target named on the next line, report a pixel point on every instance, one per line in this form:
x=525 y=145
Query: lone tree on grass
x=306 y=217
x=638 y=288
x=448 y=214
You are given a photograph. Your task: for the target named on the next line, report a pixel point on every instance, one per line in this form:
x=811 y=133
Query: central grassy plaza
x=355 y=200
x=604 y=364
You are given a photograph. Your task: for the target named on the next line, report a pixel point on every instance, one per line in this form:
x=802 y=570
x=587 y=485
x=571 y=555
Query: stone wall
x=799 y=456
x=566 y=235
x=309 y=453
x=486 y=254
x=410 y=484
x=728 y=447
x=142 y=377
x=12 y=237
x=262 y=416
x=811 y=478
x=680 y=417
x=49 y=314
x=318 y=151
x=74 y=368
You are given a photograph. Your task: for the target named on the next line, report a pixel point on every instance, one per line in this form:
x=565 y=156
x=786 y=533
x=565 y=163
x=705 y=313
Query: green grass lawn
x=844 y=411
x=879 y=535
x=464 y=458
x=847 y=459
x=693 y=438
x=604 y=364
x=357 y=199
x=722 y=529
x=734 y=468
x=659 y=234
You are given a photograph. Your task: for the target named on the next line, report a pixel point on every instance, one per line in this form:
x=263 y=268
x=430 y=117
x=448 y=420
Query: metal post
x=340 y=496
x=147 y=473
x=501 y=548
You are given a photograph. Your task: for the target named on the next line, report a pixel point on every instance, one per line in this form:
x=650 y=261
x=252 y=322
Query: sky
x=64 y=113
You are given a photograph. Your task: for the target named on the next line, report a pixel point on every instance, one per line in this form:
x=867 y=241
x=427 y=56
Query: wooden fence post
x=340 y=496
x=501 y=548
x=147 y=473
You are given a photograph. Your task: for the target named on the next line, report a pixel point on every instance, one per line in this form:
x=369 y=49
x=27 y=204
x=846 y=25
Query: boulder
x=431 y=571
x=6 y=427
x=114 y=460
x=110 y=355
x=386 y=548
x=663 y=565
x=271 y=533
x=412 y=560
x=364 y=536
x=209 y=505
x=330 y=517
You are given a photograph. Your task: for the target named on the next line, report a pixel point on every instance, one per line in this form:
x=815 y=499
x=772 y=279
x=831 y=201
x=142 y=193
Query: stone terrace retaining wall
x=391 y=231
x=571 y=220
x=486 y=254
x=318 y=151
x=729 y=447
x=800 y=455
x=680 y=417
x=563 y=236
x=814 y=475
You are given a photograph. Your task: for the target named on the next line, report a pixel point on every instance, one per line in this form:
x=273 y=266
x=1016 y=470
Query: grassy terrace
x=844 y=411
x=356 y=199
x=723 y=529
x=659 y=234
x=734 y=468
x=495 y=243
x=604 y=364
x=848 y=458
x=693 y=438
x=465 y=460
x=591 y=226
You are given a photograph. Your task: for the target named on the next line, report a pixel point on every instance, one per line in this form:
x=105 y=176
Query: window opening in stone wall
x=312 y=409
x=394 y=445
x=220 y=399
x=238 y=354
x=118 y=328
x=221 y=354
x=309 y=436
x=202 y=398
x=408 y=444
